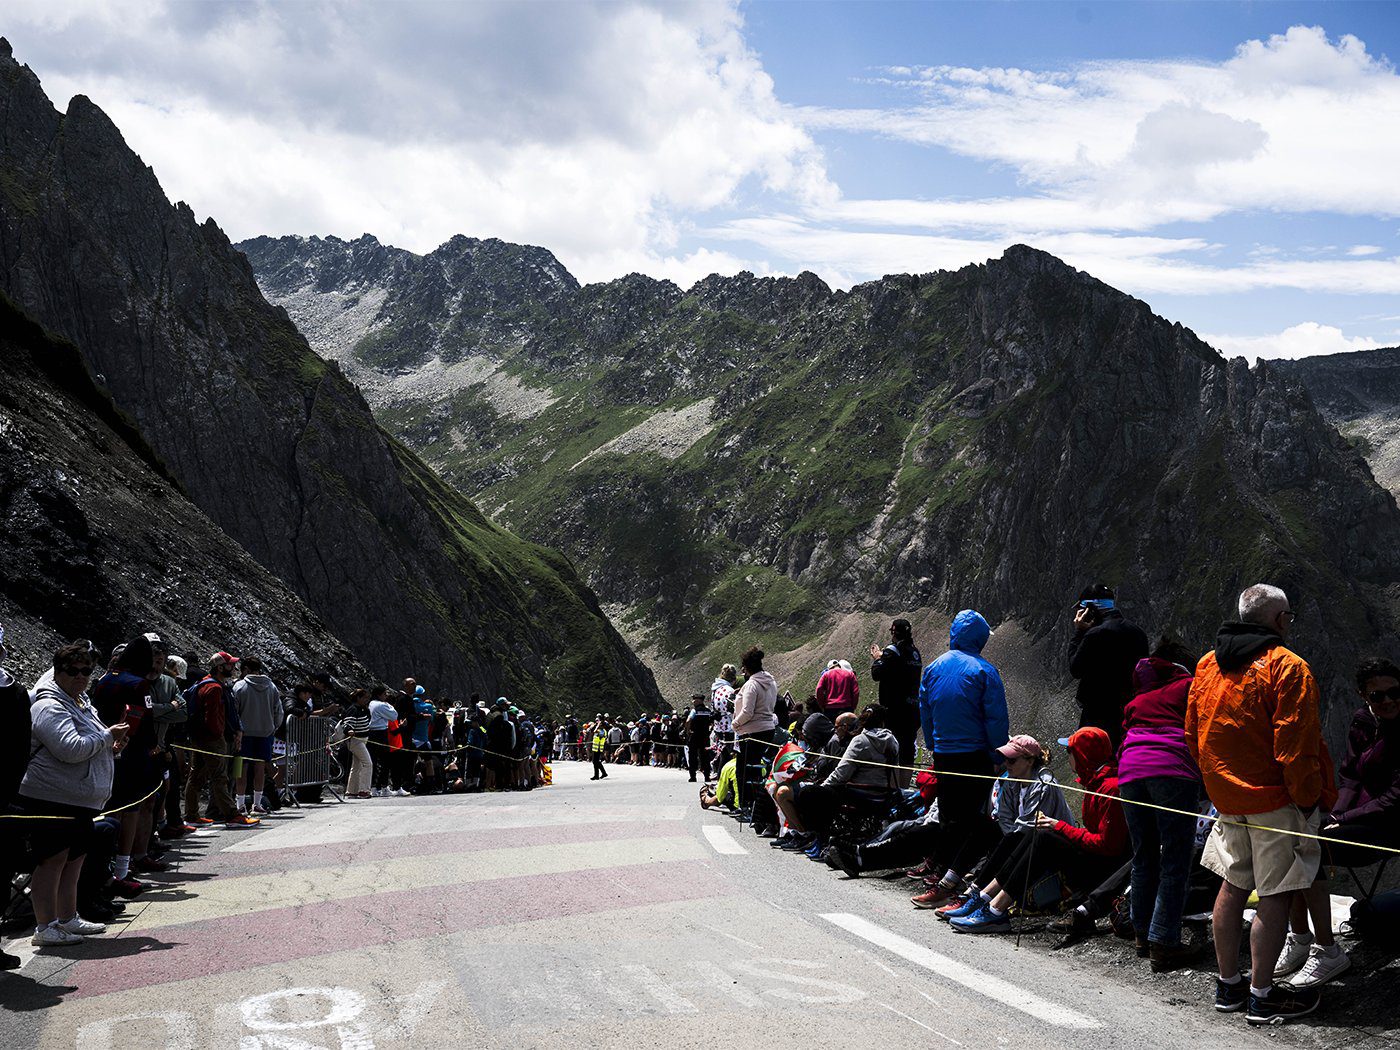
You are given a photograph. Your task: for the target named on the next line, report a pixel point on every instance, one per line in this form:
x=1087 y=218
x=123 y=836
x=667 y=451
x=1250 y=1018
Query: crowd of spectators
x=1202 y=787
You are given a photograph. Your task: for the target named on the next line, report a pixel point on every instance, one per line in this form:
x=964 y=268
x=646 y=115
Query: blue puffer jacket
x=962 y=702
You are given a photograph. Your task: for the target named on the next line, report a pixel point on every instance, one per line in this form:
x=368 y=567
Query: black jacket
x=14 y=749
x=897 y=672
x=1103 y=658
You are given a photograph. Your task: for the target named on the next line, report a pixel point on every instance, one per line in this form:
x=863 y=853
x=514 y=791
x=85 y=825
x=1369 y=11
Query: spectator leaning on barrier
x=962 y=703
x=1102 y=654
x=755 y=719
x=896 y=669
x=1252 y=726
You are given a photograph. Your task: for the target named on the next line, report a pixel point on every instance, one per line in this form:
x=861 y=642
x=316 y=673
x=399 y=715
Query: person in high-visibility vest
x=600 y=744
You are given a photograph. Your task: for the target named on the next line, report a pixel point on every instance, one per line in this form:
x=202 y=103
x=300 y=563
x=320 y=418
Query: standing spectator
x=214 y=731
x=356 y=725
x=1252 y=726
x=962 y=703
x=896 y=668
x=597 y=746
x=1156 y=770
x=698 y=723
x=14 y=757
x=722 y=704
x=381 y=715
x=124 y=694
x=754 y=722
x=1102 y=654
x=168 y=709
x=260 y=713
x=69 y=776
x=838 y=689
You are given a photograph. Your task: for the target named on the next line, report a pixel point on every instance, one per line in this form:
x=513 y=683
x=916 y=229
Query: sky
x=1232 y=164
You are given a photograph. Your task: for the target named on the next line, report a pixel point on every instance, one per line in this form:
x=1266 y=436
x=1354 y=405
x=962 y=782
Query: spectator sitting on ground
x=1080 y=856
x=724 y=792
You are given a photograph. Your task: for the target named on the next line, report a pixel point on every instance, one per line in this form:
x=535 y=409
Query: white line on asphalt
x=921 y=1024
x=722 y=840
x=726 y=933
x=959 y=973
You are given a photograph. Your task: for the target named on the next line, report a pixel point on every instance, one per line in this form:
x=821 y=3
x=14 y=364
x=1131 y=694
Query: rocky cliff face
x=1360 y=394
x=269 y=440
x=767 y=457
x=99 y=542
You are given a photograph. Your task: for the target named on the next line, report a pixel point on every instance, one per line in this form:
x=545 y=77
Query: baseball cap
x=1020 y=746
x=156 y=640
x=224 y=657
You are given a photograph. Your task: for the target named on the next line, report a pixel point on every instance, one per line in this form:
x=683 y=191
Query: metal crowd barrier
x=308 y=761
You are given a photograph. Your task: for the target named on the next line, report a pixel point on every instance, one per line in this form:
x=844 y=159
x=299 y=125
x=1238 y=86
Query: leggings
x=598 y=770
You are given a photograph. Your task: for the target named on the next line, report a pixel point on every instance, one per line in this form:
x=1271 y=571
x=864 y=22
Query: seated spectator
x=724 y=793
x=69 y=776
x=1082 y=857
x=866 y=774
x=1025 y=792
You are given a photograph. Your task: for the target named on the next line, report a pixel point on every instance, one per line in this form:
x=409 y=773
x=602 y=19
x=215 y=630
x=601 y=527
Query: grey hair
x=1262 y=603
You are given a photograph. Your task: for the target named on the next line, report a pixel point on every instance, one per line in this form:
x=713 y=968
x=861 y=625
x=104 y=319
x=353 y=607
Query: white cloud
x=1365 y=249
x=1301 y=340
x=588 y=128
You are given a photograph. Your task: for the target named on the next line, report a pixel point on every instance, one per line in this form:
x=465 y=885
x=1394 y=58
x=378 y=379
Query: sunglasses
x=1381 y=696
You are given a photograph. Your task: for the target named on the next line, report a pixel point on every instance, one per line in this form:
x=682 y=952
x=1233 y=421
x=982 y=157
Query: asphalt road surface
x=611 y=914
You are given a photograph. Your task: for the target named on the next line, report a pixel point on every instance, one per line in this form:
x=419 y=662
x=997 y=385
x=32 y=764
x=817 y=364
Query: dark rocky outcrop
x=269 y=440
x=770 y=451
x=99 y=542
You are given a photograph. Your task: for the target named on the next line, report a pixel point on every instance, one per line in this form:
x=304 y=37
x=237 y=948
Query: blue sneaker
x=963 y=910
x=982 y=921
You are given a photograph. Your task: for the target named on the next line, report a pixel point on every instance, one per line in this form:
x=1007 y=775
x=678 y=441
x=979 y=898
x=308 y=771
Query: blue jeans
x=1162 y=844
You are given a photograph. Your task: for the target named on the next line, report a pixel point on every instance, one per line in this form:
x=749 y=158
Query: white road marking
x=722 y=840
x=726 y=933
x=921 y=1024
x=987 y=984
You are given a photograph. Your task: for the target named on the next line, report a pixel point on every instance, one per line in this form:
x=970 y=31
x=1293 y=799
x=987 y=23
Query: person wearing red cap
x=214 y=731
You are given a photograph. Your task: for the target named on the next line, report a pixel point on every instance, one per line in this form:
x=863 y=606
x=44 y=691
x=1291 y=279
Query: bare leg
x=145 y=818
x=43 y=888
x=1319 y=907
x=783 y=797
x=1266 y=936
x=1298 y=913
x=1227 y=925
x=67 y=897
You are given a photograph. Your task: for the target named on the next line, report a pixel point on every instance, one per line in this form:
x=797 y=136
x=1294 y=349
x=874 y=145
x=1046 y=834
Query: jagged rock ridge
x=995 y=436
x=270 y=441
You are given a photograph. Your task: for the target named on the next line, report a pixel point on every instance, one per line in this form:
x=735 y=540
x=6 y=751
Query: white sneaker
x=48 y=936
x=1321 y=968
x=77 y=924
x=1294 y=955
x=401 y=793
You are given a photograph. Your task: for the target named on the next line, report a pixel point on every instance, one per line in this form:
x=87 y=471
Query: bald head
x=847 y=724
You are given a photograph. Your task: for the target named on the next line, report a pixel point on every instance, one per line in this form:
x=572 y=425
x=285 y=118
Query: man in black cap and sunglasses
x=1102 y=654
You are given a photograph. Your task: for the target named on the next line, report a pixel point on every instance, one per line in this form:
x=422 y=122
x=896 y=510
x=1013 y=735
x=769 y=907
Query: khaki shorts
x=1270 y=862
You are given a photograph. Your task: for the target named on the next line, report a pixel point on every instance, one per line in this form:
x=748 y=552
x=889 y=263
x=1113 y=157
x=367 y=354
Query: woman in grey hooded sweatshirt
x=68 y=779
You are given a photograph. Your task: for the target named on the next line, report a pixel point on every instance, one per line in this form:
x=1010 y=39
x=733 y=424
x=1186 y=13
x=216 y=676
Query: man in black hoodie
x=1102 y=654
x=896 y=669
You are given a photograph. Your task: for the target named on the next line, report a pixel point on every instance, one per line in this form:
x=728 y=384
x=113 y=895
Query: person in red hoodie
x=838 y=689
x=1082 y=857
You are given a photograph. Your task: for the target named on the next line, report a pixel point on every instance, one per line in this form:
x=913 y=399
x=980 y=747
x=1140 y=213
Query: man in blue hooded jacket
x=962 y=706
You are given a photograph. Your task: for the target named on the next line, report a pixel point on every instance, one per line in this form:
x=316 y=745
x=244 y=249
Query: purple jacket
x=1154 y=744
x=1370 y=775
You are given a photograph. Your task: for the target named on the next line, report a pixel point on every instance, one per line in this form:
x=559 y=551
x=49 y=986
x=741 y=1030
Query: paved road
x=581 y=915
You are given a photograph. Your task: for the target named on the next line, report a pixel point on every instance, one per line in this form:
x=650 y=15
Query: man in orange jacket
x=1252 y=725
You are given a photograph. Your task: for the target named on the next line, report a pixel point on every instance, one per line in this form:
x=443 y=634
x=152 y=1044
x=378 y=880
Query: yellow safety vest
x=600 y=742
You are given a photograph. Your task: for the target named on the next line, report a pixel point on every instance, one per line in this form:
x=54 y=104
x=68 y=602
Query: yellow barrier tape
x=104 y=813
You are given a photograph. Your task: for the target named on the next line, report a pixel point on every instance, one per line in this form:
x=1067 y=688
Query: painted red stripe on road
x=420 y=844
x=216 y=946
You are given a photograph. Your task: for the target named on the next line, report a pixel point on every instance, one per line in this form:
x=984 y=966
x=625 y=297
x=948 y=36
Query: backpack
x=195 y=722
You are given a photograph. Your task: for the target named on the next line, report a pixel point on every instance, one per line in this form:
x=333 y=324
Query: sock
x=950 y=877
x=1301 y=938
x=239 y=804
x=857 y=855
x=1331 y=951
x=1231 y=980
x=1261 y=992
x=1081 y=910
x=995 y=910
x=121 y=865
x=983 y=895
x=257 y=799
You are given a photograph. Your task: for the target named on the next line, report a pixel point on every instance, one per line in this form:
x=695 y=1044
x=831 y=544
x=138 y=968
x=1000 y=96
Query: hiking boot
x=983 y=920
x=1167 y=957
x=846 y=862
x=1282 y=1004
x=242 y=820
x=1294 y=955
x=1231 y=998
x=1075 y=927
x=1321 y=967
x=941 y=894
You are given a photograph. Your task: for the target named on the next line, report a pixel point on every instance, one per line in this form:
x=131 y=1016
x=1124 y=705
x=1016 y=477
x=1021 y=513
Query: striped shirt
x=357 y=722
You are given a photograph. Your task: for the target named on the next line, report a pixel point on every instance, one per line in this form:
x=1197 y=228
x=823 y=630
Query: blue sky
x=1232 y=164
